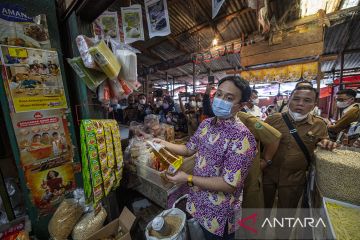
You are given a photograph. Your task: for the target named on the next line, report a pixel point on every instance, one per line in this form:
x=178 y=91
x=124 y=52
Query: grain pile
x=337 y=174
x=173 y=222
x=64 y=219
x=89 y=224
x=344 y=220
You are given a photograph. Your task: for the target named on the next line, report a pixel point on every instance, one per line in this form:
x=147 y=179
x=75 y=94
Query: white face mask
x=342 y=104
x=142 y=101
x=255 y=101
x=193 y=104
x=297 y=116
x=199 y=104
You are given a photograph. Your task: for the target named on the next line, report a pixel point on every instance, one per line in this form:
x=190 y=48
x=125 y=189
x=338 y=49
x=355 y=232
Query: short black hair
x=141 y=94
x=303 y=82
x=241 y=84
x=347 y=92
x=255 y=91
x=306 y=88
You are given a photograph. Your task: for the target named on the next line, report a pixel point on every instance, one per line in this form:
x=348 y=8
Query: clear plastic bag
x=64 y=219
x=116 y=91
x=84 y=43
x=128 y=61
x=89 y=224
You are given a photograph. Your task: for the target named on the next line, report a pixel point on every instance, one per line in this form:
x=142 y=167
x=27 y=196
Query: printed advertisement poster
x=107 y=26
x=157 y=18
x=132 y=23
x=19 y=29
x=216 y=5
x=42 y=135
x=48 y=183
x=33 y=78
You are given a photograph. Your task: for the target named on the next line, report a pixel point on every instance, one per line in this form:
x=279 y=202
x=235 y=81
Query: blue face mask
x=221 y=108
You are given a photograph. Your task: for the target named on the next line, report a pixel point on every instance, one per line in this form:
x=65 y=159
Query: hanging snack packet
x=91 y=77
x=125 y=87
x=104 y=93
x=116 y=91
x=84 y=43
x=91 y=169
x=105 y=59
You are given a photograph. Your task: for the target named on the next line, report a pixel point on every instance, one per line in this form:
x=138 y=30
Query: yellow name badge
x=18 y=52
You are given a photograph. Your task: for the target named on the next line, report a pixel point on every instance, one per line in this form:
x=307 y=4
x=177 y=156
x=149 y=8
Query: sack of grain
x=175 y=221
x=89 y=224
x=336 y=172
x=64 y=219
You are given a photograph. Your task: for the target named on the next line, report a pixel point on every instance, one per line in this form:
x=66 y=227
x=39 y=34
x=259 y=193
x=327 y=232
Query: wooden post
x=193 y=77
x=173 y=86
x=332 y=94
x=341 y=70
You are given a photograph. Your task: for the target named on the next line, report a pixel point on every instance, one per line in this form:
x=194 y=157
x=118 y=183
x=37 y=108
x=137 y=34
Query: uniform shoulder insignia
x=258 y=125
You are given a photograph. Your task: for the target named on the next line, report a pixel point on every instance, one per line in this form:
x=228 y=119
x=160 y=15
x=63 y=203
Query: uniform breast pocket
x=310 y=140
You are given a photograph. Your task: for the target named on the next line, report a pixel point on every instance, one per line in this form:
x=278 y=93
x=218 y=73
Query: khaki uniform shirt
x=263 y=133
x=289 y=163
x=351 y=114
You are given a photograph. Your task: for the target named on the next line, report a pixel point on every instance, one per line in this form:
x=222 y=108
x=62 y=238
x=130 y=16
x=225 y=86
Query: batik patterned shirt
x=225 y=148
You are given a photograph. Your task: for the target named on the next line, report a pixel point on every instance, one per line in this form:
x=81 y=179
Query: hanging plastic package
x=105 y=59
x=128 y=61
x=84 y=43
x=116 y=91
x=104 y=93
x=91 y=78
x=133 y=85
x=125 y=87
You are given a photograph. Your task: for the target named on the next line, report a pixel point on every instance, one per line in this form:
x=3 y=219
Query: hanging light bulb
x=214 y=42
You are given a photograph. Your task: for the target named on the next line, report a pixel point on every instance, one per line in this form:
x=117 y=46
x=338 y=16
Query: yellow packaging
x=173 y=162
x=105 y=59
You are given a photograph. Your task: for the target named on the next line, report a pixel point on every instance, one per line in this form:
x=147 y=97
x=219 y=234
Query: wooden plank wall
x=299 y=43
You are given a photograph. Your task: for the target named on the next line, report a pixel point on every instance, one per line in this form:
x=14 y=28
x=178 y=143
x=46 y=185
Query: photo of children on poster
x=33 y=79
x=42 y=135
x=49 y=182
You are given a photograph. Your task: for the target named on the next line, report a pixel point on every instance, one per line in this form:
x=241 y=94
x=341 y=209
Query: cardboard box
x=126 y=220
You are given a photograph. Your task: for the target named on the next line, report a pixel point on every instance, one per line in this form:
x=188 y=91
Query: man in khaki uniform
x=270 y=138
x=345 y=99
x=287 y=173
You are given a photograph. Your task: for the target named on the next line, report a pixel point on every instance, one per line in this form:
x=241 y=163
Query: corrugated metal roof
x=351 y=61
x=335 y=37
x=337 y=34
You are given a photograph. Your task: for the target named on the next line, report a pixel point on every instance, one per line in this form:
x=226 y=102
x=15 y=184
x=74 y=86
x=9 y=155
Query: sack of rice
x=336 y=172
x=64 y=219
x=172 y=228
x=89 y=224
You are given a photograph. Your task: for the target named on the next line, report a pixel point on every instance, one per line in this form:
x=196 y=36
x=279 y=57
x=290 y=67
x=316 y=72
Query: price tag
x=18 y=52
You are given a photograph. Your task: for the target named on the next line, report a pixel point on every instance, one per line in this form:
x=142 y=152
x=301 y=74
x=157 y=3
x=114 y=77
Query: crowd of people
x=239 y=153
